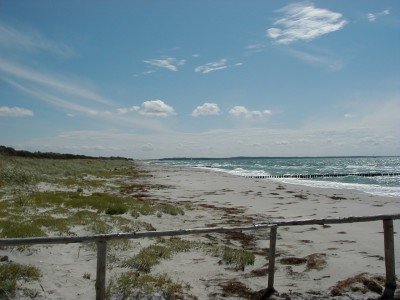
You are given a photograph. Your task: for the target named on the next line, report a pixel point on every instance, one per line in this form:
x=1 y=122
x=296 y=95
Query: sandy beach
x=323 y=255
x=350 y=249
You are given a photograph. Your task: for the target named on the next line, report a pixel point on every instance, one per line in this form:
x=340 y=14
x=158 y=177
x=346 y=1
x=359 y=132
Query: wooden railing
x=102 y=239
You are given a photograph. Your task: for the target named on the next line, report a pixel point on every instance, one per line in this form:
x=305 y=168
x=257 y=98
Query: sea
x=271 y=166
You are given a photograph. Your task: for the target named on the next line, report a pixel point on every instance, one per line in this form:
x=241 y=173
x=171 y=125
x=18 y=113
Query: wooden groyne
x=101 y=241
x=310 y=176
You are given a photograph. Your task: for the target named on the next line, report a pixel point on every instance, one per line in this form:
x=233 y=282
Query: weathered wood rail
x=102 y=239
x=309 y=176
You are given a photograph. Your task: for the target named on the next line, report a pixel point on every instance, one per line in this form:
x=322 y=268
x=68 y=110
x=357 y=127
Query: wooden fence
x=102 y=239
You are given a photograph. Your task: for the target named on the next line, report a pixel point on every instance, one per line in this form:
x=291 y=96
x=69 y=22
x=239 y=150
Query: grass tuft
x=133 y=285
x=149 y=257
x=239 y=257
x=10 y=273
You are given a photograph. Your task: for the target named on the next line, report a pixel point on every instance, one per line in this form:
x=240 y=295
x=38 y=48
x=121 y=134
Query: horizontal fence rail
x=102 y=239
x=303 y=176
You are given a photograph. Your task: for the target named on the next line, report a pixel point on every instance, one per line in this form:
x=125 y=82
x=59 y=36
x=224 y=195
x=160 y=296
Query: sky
x=153 y=79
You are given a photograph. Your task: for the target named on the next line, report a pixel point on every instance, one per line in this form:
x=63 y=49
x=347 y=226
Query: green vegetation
x=134 y=285
x=165 y=248
x=43 y=213
x=238 y=257
x=148 y=257
x=20 y=171
x=10 y=273
x=60 y=211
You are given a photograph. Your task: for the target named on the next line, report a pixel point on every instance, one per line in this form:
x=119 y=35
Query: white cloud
x=373 y=16
x=212 y=66
x=31 y=40
x=6 y=111
x=206 y=109
x=156 y=108
x=169 y=63
x=304 y=22
x=241 y=111
x=348 y=116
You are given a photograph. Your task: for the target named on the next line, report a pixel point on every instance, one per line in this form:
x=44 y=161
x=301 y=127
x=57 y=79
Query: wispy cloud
x=168 y=63
x=62 y=102
x=373 y=16
x=53 y=99
x=50 y=81
x=255 y=48
x=207 y=109
x=6 y=111
x=212 y=66
x=144 y=73
x=29 y=40
x=241 y=111
x=319 y=60
x=125 y=110
x=304 y=22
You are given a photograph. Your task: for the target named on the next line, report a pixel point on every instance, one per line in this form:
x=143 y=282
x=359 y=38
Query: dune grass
x=21 y=171
x=134 y=285
x=166 y=248
x=40 y=213
x=10 y=273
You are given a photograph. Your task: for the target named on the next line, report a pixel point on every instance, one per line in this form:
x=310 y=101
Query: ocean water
x=380 y=185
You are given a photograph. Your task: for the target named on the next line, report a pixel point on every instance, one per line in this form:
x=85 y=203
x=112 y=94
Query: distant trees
x=9 y=151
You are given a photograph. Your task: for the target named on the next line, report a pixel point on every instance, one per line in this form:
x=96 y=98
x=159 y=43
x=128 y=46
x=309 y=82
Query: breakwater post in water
x=308 y=176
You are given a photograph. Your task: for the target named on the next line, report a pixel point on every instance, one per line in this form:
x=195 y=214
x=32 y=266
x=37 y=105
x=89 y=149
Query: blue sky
x=150 y=79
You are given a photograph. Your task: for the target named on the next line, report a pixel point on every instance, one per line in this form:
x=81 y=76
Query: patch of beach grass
x=177 y=244
x=18 y=229
x=239 y=257
x=10 y=273
x=80 y=182
x=134 y=285
x=166 y=248
x=99 y=226
x=171 y=209
x=24 y=172
x=60 y=225
x=149 y=257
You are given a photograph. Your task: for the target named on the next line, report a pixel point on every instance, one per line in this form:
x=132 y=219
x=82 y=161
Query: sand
x=222 y=199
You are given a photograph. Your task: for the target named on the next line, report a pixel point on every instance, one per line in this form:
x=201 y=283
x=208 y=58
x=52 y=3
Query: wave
x=372 y=189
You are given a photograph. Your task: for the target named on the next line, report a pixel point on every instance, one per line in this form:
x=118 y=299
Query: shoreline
x=363 y=188
x=350 y=249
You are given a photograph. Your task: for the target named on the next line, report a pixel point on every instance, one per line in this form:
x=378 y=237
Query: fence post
x=101 y=270
x=390 y=285
x=271 y=263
